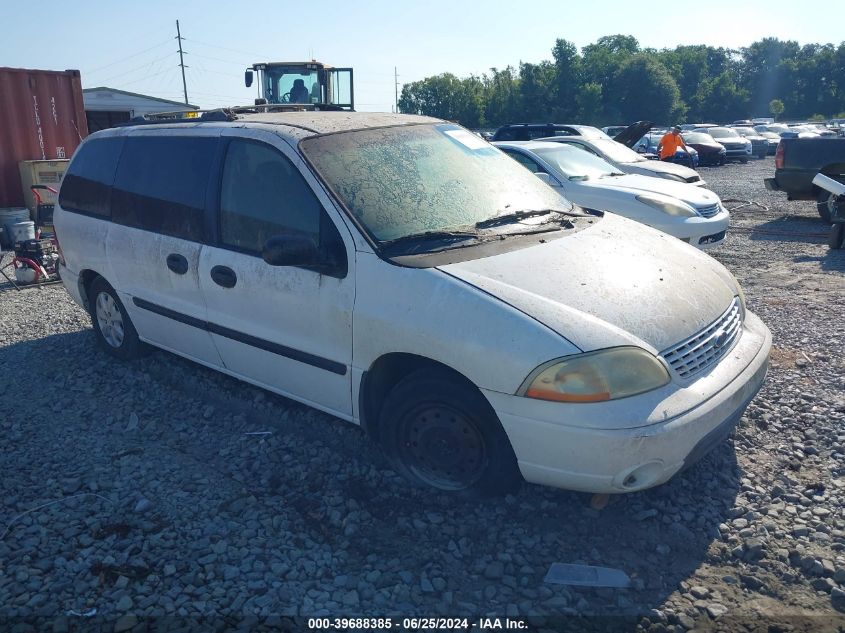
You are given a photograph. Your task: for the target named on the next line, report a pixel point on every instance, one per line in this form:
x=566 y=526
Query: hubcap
x=109 y=320
x=443 y=447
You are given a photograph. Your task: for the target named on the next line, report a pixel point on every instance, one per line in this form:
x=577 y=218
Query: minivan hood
x=696 y=196
x=616 y=283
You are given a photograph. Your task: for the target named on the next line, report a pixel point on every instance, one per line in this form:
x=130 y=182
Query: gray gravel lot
x=162 y=503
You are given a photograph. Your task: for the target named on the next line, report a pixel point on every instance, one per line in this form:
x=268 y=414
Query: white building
x=106 y=107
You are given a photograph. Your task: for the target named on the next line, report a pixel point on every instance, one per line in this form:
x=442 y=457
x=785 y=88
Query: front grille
x=705 y=348
x=712 y=239
x=708 y=211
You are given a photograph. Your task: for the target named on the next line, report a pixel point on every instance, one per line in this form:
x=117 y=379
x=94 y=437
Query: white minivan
x=401 y=273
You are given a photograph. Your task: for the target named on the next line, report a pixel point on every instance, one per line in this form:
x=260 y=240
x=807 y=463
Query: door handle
x=224 y=276
x=177 y=263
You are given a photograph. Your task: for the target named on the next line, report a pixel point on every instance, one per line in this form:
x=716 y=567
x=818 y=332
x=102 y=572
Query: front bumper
x=567 y=452
x=703 y=233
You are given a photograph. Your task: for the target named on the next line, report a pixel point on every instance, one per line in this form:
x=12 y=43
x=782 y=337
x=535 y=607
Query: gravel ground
x=164 y=502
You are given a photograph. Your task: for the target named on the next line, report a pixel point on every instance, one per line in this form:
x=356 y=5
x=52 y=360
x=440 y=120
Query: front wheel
x=826 y=204
x=441 y=433
x=743 y=160
x=112 y=326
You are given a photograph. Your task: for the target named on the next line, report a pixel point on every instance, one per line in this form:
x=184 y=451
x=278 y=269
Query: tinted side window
x=87 y=184
x=262 y=195
x=507 y=135
x=539 y=132
x=526 y=162
x=161 y=183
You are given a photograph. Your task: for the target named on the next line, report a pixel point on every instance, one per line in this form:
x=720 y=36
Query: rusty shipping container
x=41 y=118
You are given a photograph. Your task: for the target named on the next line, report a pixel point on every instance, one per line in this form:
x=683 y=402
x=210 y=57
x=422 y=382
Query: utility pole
x=182 y=61
x=395 y=90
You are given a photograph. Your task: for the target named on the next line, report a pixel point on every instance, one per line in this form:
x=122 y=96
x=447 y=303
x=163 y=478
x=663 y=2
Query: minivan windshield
x=414 y=179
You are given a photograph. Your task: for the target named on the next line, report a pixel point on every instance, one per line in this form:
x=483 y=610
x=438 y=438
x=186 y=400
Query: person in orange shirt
x=671 y=143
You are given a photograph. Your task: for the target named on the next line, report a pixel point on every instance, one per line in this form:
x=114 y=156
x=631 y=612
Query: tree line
x=615 y=80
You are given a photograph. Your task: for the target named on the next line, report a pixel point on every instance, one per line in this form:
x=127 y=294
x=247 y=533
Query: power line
x=123 y=59
x=232 y=50
x=218 y=59
x=127 y=72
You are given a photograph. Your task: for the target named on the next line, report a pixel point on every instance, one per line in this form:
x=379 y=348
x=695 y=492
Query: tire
x=112 y=326
x=825 y=205
x=836 y=238
x=441 y=433
x=743 y=160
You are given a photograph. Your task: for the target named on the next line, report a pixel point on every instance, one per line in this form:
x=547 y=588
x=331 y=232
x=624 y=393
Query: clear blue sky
x=131 y=45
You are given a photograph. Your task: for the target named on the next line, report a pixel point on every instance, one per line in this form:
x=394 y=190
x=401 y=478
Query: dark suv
x=530 y=131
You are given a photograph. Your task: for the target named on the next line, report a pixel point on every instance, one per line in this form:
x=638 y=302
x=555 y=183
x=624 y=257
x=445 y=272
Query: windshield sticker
x=467 y=139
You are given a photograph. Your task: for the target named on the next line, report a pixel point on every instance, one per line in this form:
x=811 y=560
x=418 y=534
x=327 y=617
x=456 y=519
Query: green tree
x=644 y=89
x=725 y=101
x=445 y=97
x=760 y=70
x=776 y=107
x=502 y=102
x=589 y=102
x=538 y=90
x=568 y=80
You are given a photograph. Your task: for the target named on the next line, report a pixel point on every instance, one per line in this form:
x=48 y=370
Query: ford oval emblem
x=720 y=339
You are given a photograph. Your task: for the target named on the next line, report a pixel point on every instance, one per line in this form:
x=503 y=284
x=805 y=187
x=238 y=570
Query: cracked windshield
x=402 y=181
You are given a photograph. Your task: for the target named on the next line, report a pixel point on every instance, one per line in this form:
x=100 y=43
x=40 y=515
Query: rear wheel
x=743 y=160
x=441 y=433
x=112 y=325
x=826 y=203
x=836 y=239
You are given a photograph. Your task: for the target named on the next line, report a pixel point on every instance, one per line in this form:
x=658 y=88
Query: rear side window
x=509 y=134
x=86 y=187
x=161 y=184
x=262 y=195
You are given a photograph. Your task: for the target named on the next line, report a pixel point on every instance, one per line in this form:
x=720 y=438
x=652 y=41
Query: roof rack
x=224 y=114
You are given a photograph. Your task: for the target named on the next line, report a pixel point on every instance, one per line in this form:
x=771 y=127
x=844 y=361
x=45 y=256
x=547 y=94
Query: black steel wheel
x=825 y=205
x=836 y=238
x=441 y=433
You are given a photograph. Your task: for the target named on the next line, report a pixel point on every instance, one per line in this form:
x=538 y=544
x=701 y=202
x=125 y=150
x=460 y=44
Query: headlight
x=678 y=209
x=608 y=374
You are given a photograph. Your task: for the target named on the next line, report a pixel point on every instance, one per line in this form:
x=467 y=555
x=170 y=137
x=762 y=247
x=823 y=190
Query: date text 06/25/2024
x=418 y=624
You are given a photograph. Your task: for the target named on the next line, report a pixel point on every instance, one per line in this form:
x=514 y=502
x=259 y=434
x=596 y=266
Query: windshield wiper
x=425 y=237
x=507 y=218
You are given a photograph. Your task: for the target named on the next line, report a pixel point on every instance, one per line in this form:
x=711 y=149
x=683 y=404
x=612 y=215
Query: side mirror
x=544 y=177
x=248 y=78
x=290 y=250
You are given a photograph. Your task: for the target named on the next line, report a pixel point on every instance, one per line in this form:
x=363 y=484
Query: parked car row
x=615 y=150
x=400 y=273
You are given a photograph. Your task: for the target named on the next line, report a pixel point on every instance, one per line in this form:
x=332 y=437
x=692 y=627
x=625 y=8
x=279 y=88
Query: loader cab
x=307 y=83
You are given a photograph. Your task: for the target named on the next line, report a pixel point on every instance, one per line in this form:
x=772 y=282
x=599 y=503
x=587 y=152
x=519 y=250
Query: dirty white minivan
x=399 y=272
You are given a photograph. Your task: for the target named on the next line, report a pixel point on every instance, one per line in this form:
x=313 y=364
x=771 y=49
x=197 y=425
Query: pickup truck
x=798 y=160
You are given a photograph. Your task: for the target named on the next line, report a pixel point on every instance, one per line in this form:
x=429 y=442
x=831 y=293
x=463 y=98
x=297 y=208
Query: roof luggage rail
x=217 y=115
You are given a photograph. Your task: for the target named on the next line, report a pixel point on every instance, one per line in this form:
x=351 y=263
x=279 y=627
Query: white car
x=692 y=214
x=400 y=273
x=628 y=161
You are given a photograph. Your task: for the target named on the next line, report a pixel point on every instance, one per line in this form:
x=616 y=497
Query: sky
x=132 y=46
